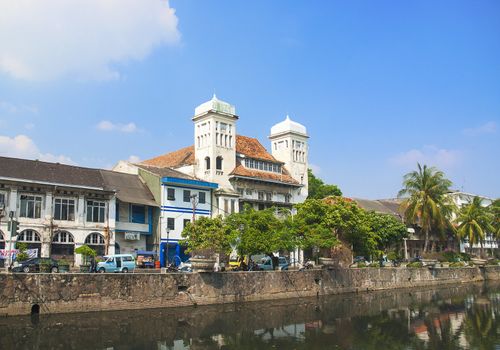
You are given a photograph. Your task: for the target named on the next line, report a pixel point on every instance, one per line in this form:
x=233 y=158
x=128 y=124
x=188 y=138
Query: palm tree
x=426 y=204
x=474 y=222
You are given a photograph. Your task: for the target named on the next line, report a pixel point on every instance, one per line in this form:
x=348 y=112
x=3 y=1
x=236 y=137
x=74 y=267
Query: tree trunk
x=426 y=242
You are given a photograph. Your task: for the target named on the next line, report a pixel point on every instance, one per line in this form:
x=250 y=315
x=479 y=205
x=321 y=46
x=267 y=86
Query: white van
x=117 y=263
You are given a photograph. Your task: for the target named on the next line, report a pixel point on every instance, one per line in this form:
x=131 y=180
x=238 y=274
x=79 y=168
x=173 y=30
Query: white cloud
x=17 y=109
x=134 y=159
x=487 y=128
x=429 y=155
x=106 y=125
x=43 y=40
x=21 y=146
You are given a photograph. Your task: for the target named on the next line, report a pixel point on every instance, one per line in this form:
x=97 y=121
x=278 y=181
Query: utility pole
x=194 y=201
x=168 y=243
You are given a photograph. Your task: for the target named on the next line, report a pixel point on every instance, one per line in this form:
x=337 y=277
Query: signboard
x=5 y=253
x=132 y=236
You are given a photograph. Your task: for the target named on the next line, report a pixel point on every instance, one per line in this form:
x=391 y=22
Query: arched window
x=63 y=237
x=218 y=163
x=29 y=236
x=2 y=238
x=94 y=238
x=207 y=163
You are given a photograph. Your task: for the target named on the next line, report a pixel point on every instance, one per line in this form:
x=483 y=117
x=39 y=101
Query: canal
x=451 y=317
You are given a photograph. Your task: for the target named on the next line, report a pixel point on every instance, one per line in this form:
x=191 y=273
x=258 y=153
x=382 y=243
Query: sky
x=380 y=85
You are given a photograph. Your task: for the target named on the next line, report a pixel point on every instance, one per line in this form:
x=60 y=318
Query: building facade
x=246 y=173
x=60 y=207
x=181 y=199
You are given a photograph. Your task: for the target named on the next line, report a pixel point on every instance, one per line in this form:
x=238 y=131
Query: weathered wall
x=57 y=293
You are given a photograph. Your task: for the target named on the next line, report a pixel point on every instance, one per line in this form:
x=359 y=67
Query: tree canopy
x=318 y=189
x=208 y=235
x=474 y=222
x=425 y=203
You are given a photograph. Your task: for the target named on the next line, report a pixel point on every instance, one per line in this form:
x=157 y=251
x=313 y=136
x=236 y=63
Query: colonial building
x=246 y=173
x=61 y=207
x=181 y=198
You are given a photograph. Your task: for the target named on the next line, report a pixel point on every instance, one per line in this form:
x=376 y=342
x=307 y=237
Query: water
x=457 y=317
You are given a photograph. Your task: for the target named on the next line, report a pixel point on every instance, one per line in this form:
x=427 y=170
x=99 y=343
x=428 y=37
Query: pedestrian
x=92 y=264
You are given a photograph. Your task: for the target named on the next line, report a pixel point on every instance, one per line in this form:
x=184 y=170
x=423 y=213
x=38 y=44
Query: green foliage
x=86 y=251
x=318 y=189
x=386 y=229
x=474 y=222
x=494 y=209
x=427 y=204
x=457 y=264
x=393 y=256
x=257 y=232
x=22 y=255
x=415 y=264
x=465 y=256
x=452 y=256
x=208 y=234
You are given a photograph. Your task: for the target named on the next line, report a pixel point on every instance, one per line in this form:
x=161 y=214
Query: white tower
x=215 y=141
x=289 y=145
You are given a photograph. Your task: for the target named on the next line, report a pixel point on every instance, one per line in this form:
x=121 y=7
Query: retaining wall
x=59 y=293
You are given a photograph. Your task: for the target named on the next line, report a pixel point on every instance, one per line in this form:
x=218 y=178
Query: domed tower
x=289 y=145
x=215 y=141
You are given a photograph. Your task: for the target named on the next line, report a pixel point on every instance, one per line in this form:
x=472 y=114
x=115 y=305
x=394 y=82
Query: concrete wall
x=59 y=293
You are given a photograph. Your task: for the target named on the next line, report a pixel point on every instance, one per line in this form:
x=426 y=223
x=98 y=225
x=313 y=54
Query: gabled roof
x=252 y=148
x=176 y=159
x=50 y=173
x=241 y=171
x=129 y=188
x=247 y=146
x=381 y=206
x=165 y=172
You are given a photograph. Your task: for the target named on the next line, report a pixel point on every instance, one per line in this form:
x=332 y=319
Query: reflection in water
x=462 y=317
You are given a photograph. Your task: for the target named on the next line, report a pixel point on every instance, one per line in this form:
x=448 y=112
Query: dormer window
x=262 y=165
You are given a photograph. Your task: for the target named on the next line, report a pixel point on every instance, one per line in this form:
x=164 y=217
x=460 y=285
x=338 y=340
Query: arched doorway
x=32 y=239
x=63 y=246
x=96 y=241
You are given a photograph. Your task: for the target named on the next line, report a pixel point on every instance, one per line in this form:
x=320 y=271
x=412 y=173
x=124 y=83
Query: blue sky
x=380 y=85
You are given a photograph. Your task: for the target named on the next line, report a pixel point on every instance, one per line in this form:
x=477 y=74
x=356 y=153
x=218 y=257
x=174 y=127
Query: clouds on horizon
x=430 y=155
x=106 y=125
x=81 y=38
x=21 y=146
x=487 y=128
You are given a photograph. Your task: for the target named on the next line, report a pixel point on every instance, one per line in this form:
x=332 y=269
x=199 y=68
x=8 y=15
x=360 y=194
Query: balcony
x=132 y=227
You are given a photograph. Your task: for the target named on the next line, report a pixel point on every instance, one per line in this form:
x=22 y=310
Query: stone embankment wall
x=59 y=293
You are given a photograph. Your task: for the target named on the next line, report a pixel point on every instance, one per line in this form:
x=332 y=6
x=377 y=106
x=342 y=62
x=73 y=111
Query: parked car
x=117 y=263
x=185 y=266
x=267 y=264
x=33 y=265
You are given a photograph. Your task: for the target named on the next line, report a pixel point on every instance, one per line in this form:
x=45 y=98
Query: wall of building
x=95 y=292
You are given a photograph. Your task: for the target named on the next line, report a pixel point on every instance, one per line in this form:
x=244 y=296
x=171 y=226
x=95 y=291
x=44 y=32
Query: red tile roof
x=176 y=159
x=285 y=177
x=252 y=148
x=248 y=146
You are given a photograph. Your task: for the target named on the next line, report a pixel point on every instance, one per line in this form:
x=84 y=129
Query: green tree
x=259 y=232
x=207 y=236
x=386 y=229
x=318 y=189
x=474 y=222
x=426 y=204
x=495 y=212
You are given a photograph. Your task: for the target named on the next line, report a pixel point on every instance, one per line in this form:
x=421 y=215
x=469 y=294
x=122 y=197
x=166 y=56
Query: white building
x=181 y=198
x=244 y=170
x=461 y=199
x=61 y=207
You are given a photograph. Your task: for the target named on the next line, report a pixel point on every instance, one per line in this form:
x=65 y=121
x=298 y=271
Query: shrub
x=22 y=255
x=374 y=264
x=362 y=264
x=452 y=256
x=457 y=264
x=415 y=264
x=393 y=256
x=465 y=256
